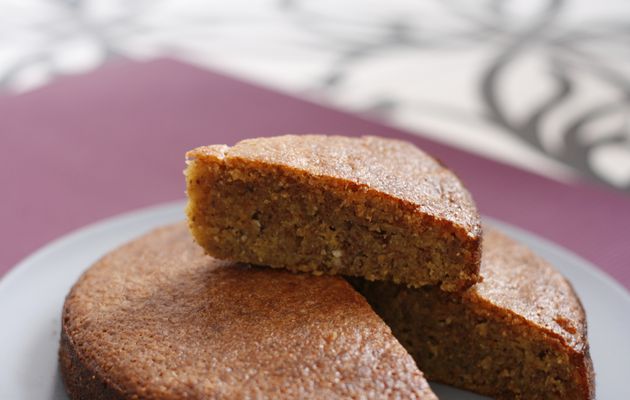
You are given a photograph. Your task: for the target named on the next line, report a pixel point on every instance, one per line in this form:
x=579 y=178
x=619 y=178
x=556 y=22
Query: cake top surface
x=160 y=318
x=517 y=280
x=392 y=167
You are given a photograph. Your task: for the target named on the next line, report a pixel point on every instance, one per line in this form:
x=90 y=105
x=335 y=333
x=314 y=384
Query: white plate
x=32 y=294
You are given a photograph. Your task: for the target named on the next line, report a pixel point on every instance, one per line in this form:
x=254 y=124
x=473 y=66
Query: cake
x=519 y=334
x=158 y=319
x=371 y=207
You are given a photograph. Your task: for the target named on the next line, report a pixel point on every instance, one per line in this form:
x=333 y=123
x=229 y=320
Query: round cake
x=157 y=319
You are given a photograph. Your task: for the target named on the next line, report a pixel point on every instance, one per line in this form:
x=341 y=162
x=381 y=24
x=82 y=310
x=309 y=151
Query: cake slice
x=377 y=208
x=157 y=319
x=519 y=334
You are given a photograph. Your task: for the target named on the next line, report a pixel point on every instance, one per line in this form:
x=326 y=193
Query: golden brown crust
x=397 y=213
x=157 y=319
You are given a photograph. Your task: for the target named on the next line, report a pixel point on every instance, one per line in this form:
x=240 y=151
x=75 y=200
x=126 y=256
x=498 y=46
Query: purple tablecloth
x=89 y=147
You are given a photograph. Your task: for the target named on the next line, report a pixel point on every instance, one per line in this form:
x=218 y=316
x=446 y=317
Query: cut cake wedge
x=377 y=208
x=519 y=334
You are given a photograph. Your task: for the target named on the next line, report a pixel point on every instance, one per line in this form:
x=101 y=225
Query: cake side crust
x=80 y=381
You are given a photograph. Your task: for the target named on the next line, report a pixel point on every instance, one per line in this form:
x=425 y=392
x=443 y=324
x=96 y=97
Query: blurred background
x=540 y=84
x=528 y=101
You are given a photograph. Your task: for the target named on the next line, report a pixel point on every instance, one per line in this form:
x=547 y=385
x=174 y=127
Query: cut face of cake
x=370 y=207
x=158 y=319
x=519 y=334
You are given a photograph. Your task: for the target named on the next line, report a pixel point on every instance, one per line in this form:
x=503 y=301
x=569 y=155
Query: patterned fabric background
x=542 y=84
